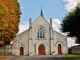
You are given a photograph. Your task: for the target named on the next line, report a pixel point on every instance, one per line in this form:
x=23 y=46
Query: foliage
x=9 y=20
x=71 y=24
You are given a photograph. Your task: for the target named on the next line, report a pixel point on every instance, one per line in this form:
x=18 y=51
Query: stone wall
x=1 y=50
x=75 y=49
x=62 y=40
x=20 y=40
x=8 y=50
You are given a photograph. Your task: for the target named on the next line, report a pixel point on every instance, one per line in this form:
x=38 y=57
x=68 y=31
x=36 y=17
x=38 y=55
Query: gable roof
x=42 y=18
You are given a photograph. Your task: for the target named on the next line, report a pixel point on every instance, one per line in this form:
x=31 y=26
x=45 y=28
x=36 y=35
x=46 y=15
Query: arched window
x=40 y=33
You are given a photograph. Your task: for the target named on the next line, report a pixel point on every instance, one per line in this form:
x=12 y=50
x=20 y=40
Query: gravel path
x=48 y=57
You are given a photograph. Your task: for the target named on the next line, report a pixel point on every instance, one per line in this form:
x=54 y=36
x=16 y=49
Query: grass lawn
x=3 y=57
x=6 y=57
x=73 y=55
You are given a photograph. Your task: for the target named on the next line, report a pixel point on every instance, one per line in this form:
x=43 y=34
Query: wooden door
x=41 y=50
x=21 y=50
x=59 y=49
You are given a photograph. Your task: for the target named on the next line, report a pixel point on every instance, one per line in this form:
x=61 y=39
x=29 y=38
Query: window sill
x=40 y=39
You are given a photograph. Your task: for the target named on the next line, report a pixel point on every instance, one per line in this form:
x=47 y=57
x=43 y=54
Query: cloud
x=55 y=24
x=24 y=26
x=70 y=4
x=71 y=42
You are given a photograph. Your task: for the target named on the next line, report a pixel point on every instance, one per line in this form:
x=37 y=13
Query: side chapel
x=40 y=39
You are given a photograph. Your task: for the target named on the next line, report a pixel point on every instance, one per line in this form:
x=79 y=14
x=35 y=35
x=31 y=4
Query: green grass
x=73 y=55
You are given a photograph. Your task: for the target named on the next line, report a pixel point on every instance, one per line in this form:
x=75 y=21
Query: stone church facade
x=40 y=39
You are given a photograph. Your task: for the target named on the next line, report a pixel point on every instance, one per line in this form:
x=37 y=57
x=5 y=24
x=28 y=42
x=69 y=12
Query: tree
x=71 y=24
x=9 y=20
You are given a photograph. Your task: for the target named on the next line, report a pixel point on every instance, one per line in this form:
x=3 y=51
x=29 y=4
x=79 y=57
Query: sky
x=55 y=9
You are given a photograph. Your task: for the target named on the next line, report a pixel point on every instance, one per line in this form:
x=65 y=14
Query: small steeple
x=41 y=12
x=30 y=22
x=51 y=22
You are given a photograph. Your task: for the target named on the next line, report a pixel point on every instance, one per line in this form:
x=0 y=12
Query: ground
x=43 y=57
x=40 y=57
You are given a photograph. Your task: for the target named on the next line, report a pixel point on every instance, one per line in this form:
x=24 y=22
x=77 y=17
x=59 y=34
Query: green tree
x=71 y=24
x=9 y=20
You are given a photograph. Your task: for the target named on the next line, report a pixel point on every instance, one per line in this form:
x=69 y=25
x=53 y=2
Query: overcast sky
x=55 y=9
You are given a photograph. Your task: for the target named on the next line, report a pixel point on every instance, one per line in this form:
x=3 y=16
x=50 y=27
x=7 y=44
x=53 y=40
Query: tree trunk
x=4 y=50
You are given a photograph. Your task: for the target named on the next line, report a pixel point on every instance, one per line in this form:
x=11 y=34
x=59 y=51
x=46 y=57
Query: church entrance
x=59 y=49
x=21 y=50
x=41 y=50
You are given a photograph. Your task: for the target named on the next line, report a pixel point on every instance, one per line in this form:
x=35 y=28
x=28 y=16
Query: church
x=40 y=39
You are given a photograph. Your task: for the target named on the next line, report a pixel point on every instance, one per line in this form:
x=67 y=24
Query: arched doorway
x=21 y=51
x=59 y=49
x=41 y=50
